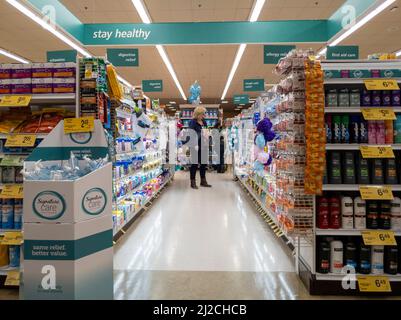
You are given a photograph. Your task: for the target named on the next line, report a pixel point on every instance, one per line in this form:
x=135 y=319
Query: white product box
x=69 y=201
x=68 y=261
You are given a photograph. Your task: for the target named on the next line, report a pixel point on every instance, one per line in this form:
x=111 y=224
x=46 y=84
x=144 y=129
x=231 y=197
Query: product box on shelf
x=5 y=71
x=21 y=71
x=64 y=85
x=64 y=70
x=42 y=70
x=5 y=86
x=42 y=85
x=21 y=86
x=68 y=261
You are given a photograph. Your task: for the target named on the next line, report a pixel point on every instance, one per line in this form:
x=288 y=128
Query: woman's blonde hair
x=198 y=111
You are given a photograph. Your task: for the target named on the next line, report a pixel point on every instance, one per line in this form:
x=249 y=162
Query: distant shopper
x=198 y=124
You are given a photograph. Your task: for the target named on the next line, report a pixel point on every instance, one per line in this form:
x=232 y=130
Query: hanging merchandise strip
x=314 y=128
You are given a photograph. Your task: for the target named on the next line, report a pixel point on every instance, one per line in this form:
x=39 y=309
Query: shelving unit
x=332 y=283
x=56 y=98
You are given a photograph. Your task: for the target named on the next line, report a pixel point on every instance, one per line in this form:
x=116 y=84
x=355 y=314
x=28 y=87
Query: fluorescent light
x=224 y=102
x=13 y=56
x=173 y=102
x=121 y=79
x=170 y=68
x=256 y=10
x=145 y=17
x=237 y=60
x=143 y=13
x=48 y=27
x=398 y=53
x=358 y=25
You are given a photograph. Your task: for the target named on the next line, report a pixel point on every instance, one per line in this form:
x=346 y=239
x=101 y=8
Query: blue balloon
x=260 y=141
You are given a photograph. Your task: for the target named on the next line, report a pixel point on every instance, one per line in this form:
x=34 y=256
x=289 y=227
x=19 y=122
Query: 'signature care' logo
x=81 y=137
x=94 y=201
x=49 y=205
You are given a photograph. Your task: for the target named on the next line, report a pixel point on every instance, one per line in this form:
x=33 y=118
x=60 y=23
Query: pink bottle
x=380 y=132
x=372 y=132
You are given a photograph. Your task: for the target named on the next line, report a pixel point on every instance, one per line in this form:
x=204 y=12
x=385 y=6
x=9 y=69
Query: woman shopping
x=197 y=127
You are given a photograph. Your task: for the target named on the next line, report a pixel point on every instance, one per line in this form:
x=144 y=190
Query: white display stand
x=68 y=236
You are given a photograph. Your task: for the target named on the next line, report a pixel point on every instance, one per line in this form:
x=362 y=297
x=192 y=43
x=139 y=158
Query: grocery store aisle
x=203 y=244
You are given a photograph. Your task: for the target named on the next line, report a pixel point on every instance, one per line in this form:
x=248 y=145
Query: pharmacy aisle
x=206 y=244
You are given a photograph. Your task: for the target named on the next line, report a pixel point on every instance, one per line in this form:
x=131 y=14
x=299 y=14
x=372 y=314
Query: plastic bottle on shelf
x=386 y=98
x=389 y=125
x=335 y=213
x=323 y=213
x=329 y=126
x=345 y=135
x=349 y=168
x=390 y=175
x=336 y=256
x=372 y=215
x=362 y=167
x=14 y=252
x=323 y=264
x=377 y=171
x=7 y=216
x=385 y=215
x=396 y=214
x=396 y=98
x=337 y=129
x=397 y=129
x=359 y=213
x=18 y=211
x=380 y=132
x=350 y=254
x=354 y=129
x=363 y=131
x=377 y=260
x=391 y=260
x=372 y=132
x=365 y=258
x=347 y=213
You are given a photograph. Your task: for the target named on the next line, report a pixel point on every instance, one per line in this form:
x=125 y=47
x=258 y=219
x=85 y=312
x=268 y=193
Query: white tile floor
x=214 y=229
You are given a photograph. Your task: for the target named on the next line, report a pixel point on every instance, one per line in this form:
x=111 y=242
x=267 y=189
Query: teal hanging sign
x=254 y=85
x=241 y=99
x=123 y=57
x=343 y=53
x=273 y=54
x=152 y=85
x=62 y=56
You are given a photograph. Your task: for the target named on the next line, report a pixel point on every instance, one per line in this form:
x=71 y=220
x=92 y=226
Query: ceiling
x=209 y=64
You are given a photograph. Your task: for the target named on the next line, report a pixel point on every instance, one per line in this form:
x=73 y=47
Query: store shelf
x=67 y=98
x=2 y=185
x=353 y=80
x=4 y=271
x=340 y=277
x=352 y=187
x=349 y=232
x=354 y=109
x=356 y=146
x=3 y=231
x=143 y=206
x=38 y=135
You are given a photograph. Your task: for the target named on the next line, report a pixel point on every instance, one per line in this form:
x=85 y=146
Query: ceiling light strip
x=256 y=10
x=30 y=14
x=358 y=25
x=145 y=17
x=13 y=56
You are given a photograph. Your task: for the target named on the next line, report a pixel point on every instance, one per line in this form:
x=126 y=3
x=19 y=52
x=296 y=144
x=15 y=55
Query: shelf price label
x=79 y=125
x=373 y=114
x=15 y=101
x=379 y=238
x=376 y=192
x=12 y=238
x=381 y=84
x=13 y=278
x=377 y=152
x=12 y=191
x=374 y=284
x=21 y=140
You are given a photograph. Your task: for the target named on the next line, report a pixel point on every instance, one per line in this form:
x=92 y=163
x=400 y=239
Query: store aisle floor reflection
x=214 y=229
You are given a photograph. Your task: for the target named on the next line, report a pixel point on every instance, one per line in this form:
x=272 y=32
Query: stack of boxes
x=37 y=78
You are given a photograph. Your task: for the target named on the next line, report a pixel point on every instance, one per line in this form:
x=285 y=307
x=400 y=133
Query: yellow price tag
x=15 y=101
x=381 y=84
x=12 y=238
x=21 y=140
x=379 y=238
x=373 y=114
x=13 y=278
x=376 y=192
x=12 y=191
x=374 y=284
x=377 y=152
x=77 y=125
